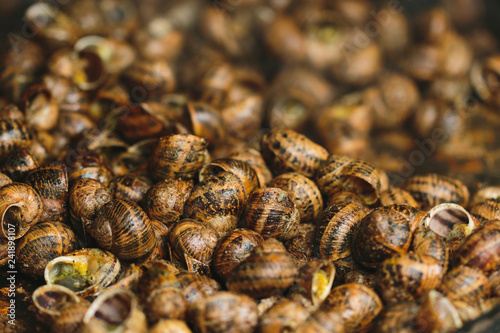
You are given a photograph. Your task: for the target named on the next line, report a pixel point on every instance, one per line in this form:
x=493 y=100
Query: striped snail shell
x=465 y=283
x=124 y=229
x=20 y=207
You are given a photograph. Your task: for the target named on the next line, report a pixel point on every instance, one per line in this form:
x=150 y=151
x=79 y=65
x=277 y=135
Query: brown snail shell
x=432 y=189
x=307 y=195
x=408 y=276
x=485 y=194
x=155 y=77
x=4 y=179
x=339 y=197
x=314 y=282
x=86 y=272
x=323 y=321
x=217 y=201
x=193 y=245
x=301 y=246
x=18 y=163
x=480 y=249
x=178 y=156
x=195 y=287
x=165 y=303
x=206 y=122
x=13 y=135
x=465 y=283
x=234 y=248
x=70 y=317
x=486 y=211
x=284 y=316
x=170 y=326
x=242 y=170
x=90 y=165
x=49 y=300
x=161 y=232
x=335 y=227
x=243 y=118
x=437 y=314
x=164 y=201
x=21 y=207
x=272 y=213
x=341 y=173
x=267 y=271
x=384 y=232
x=123 y=228
x=443 y=218
x=357 y=304
x=51 y=183
x=397 y=317
x=494 y=280
x=87 y=196
x=286 y=150
x=397 y=196
x=40 y=108
x=224 y=312
x=115 y=309
x=129 y=187
x=483 y=75
x=41 y=244
x=427 y=242
x=255 y=160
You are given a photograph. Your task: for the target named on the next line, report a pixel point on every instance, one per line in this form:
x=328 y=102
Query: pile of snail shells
x=156 y=184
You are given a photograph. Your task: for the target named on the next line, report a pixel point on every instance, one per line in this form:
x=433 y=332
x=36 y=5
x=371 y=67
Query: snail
x=285 y=315
x=124 y=229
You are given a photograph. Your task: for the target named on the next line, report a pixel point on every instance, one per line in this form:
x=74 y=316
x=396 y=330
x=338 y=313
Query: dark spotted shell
x=286 y=150
x=384 y=232
x=397 y=196
x=306 y=194
x=129 y=187
x=272 y=213
x=465 y=283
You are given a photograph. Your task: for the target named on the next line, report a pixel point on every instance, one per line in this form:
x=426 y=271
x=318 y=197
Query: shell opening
x=69 y=276
x=360 y=187
x=112 y=310
x=322 y=283
x=53 y=300
x=442 y=221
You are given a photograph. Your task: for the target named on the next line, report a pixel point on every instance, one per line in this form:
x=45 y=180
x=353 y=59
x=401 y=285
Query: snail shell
x=165 y=303
x=433 y=189
x=90 y=165
x=178 y=156
x=301 y=246
x=384 y=232
x=217 y=202
x=41 y=244
x=255 y=160
x=443 y=218
x=165 y=200
x=129 y=187
x=357 y=304
x=242 y=119
x=397 y=317
x=234 y=248
x=86 y=197
x=206 y=122
x=117 y=310
x=486 y=211
x=341 y=173
x=335 y=227
x=18 y=163
x=346 y=196
x=408 y=276
x=437 y=314
x=161 y=232
x=4 y=179
x=485 y=194
x=224 y=312
x=20 y=206
x=314 y=283
x=242 y=170
x=40 y=108
x=50 y=300
x=86 y=272
x=170 y=326
x=284 y=316
x=70 y=317
x=397 y=196
x=267 y=271
x=156 y=75
x=307 y=195
x=123 y=228
x=427 y=242
x=272 y=213
x=195 y=287
x=465 y=283
x=286 y=150
x=155 y=275
x=483 y=76
x=51 y=183
x=323 y=321
x=481 y=249
x=193 y=245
